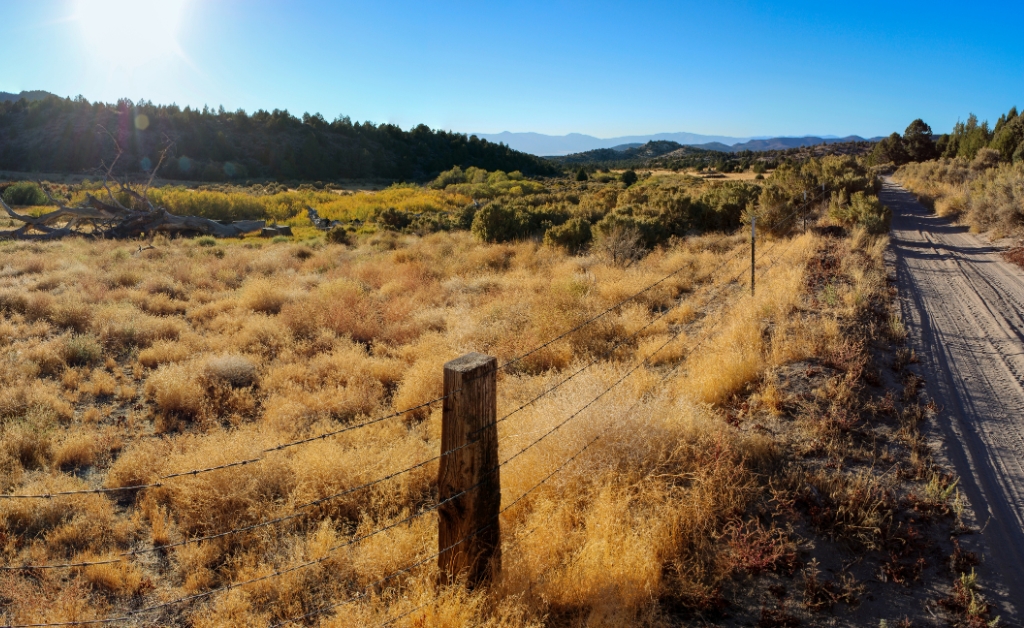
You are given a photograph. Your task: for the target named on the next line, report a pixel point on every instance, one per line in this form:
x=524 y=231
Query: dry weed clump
x=187 y=357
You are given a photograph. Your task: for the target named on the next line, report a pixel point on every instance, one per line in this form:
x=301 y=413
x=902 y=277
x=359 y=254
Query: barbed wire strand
x=195 y=472
x=664 y=377
x=166 y=546
x=330 y=551
x=647 y=359
x=355 y=540
x=158 y=483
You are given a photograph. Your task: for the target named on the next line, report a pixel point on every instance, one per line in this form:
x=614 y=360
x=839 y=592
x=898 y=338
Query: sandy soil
x=964 y=310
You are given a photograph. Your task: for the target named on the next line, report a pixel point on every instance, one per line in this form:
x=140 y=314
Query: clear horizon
x=734 y=69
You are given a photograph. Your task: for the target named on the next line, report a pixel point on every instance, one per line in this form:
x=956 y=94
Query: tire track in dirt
x=964 y=309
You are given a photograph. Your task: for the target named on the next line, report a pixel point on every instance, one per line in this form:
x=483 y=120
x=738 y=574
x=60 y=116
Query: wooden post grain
x=753 y=245
x=468 y=536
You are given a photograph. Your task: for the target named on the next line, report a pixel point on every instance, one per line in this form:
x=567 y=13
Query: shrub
x=572 y=236
x=861 y=209
x=261 y=295
x=234 y=370
x=25 y=193
x=996 y=199
x=393 y=219
x=207 y=241
x=721 y=205
x=648 y=229
x=82 y=350
x=175 y=390
x=581 y=175
x=497 y=222
x=629 y=178
x=621 y=243
x=76 y=452
x=985 y=159
x=340 y=235
x=774 y=210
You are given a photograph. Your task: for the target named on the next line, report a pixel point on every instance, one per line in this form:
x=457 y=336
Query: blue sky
x=606 y=69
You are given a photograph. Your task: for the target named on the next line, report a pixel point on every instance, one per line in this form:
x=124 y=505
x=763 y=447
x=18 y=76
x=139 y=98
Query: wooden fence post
x=468 y=535
x=753 y=245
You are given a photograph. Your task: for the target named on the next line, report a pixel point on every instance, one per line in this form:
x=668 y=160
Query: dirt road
x=964 y=309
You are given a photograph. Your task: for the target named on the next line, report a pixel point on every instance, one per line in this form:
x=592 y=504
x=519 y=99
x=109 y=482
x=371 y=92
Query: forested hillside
x=675 y=156
x=70 y=136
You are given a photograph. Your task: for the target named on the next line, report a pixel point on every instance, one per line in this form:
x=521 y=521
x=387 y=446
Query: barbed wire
x=294 y=515
x=238 y=463
x=186 y=599
x=516 y=501
x=606 y=353
x=626 y=413
x=158 y=482
x=408 y=568
x=332 y=550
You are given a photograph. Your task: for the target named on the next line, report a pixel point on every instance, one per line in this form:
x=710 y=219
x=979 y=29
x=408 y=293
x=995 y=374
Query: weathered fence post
x=468 y=536
x=753 y=245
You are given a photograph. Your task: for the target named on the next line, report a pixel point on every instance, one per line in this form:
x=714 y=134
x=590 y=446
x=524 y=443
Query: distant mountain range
x=559 y=145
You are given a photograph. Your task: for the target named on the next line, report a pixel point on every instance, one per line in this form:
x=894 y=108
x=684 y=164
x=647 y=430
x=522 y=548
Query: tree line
x=63 y=135
x=918 y=143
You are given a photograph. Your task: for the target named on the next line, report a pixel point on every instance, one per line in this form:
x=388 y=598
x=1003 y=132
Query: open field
x=247 y=430
x=123 y=367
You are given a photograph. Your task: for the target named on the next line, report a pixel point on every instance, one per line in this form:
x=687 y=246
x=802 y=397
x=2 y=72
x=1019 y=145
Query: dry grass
x=177 y=358
x=987 y=196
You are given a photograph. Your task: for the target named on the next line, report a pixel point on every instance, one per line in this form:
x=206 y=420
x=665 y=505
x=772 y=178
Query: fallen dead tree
x=113 y=219
x=97 y=219
x=323 y=224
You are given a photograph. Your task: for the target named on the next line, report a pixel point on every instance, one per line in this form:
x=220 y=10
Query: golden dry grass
x=205 y=359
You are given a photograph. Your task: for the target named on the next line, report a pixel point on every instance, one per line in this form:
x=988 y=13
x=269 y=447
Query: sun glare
x=130 y=33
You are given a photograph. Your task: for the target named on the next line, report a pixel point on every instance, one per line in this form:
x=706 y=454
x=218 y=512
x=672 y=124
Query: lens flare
x=130 y=33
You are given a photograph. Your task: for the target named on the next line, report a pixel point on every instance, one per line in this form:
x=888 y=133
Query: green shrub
x=721 y=205
x=517 y=218
x=82 y=350
x=573 y=235
x=861 y=209
x=775 y=211
x=624 y=220
x=462 y=218
x=394 y=219
x=339 y=235
x=497 y=222
x=206 y=241
x=629 y=178
x=24 y=193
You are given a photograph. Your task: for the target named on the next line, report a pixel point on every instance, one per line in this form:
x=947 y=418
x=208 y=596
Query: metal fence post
x=468 y=536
